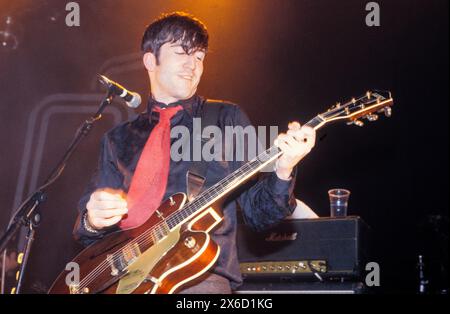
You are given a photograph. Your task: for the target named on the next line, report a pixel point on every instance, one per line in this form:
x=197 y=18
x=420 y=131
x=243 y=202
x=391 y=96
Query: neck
x=164 y=99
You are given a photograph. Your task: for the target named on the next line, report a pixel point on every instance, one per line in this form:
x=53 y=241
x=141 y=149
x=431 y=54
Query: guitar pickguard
x=143 y=265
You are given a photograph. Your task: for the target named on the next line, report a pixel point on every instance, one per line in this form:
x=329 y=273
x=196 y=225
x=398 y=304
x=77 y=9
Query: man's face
x=177 y=75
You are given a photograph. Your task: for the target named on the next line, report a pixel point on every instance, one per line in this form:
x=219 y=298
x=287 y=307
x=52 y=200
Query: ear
x=149 y=61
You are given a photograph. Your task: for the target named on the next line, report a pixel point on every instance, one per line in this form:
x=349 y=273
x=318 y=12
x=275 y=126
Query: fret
x=172 y=222
x=313 y=123
x=153 y=236
x=232 y=180
x=156 y=233
x=165 y=227
x=160 y=232
x=183 y=214
x=228 y=183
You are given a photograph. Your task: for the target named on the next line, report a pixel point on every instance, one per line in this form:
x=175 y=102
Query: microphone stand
x=28 y=213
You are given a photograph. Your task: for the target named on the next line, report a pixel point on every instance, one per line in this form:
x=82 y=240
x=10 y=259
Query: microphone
x=133 y=100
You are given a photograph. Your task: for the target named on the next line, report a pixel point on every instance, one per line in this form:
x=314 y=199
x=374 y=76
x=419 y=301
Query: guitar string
x=143 y=239
x=146 y=237
x=88 y=279
x=176 y=215
x=129 y=245
x=157 y=227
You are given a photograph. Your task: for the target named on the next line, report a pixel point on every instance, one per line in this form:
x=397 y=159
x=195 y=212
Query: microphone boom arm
x=27 y=213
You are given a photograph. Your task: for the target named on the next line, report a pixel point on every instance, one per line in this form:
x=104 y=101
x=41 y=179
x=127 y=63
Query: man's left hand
x=295 y=144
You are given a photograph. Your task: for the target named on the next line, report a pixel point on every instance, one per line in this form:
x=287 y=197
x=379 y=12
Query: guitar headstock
x=364 y=107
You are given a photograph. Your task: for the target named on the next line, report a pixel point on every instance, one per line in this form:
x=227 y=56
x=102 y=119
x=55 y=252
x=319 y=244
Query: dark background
x=280 y=60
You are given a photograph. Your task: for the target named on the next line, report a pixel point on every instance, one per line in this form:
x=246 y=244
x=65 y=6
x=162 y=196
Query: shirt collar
x=187 y=104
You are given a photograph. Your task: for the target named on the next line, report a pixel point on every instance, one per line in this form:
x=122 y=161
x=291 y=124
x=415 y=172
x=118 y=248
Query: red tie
x=149 y=181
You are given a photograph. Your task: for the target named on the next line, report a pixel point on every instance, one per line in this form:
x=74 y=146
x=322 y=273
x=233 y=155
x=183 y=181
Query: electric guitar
x=173 y=247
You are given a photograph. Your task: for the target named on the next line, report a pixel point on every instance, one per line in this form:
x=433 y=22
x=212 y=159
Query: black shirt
x=263 y=201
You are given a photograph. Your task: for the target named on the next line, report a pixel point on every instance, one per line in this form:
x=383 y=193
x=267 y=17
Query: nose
x=190 y=62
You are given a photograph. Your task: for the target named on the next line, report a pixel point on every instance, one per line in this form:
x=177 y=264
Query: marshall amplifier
x=317 y=249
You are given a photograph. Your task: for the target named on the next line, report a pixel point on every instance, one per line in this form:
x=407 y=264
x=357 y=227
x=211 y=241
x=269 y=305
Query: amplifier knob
x=189 y=242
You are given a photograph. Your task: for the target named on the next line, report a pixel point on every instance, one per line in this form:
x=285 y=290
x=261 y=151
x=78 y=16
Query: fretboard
x=232 y=181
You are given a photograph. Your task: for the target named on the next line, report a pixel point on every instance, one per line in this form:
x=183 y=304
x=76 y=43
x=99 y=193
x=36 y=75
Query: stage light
x=8 y=39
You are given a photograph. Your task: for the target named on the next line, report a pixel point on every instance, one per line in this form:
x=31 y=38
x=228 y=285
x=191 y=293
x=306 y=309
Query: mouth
x=186 y=77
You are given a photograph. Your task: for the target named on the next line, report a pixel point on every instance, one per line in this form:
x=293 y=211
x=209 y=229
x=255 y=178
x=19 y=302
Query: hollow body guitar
x=174 y=248
x=159 y=256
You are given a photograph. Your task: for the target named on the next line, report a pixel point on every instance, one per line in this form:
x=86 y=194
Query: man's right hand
x=106 y=208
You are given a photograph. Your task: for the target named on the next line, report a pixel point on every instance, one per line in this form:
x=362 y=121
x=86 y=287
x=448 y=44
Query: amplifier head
x=339 y=244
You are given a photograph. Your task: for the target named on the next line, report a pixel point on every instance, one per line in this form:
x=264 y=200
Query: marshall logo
x=275 y=237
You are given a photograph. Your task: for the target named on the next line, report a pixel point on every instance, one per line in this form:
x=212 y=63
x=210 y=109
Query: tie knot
x=167 y=113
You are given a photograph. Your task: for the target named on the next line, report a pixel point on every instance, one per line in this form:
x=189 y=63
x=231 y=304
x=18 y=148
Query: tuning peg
x=356 y=122
x=372 y=117
x=337 y=105
x=388 y=111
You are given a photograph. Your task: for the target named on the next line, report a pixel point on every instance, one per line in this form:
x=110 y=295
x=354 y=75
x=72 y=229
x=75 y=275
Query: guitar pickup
x=119 y=261
x=131 y=253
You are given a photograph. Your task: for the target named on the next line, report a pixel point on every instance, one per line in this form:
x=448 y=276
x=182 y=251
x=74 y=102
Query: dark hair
x=174 y=27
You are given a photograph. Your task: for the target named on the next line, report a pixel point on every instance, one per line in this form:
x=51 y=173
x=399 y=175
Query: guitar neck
x=236 y=178
x=367 y=106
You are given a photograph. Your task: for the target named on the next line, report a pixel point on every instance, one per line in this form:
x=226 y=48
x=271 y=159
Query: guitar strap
x=196 y=175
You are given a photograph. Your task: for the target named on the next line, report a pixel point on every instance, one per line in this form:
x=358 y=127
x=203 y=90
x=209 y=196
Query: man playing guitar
x=174 y=49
